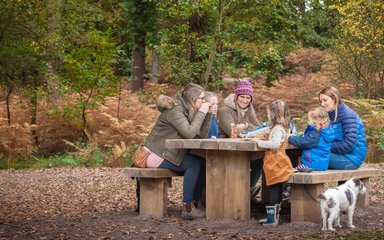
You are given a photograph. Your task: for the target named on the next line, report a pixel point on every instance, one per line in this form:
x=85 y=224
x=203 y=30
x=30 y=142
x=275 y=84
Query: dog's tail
x=321 y=197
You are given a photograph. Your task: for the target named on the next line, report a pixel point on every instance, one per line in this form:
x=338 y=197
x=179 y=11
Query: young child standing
x=316 y=142
x=277 y=166
x=211 y=98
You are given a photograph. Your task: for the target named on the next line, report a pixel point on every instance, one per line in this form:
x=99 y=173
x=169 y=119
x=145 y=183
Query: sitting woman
x=349 y=148
x=186 y=116
x=238 y=109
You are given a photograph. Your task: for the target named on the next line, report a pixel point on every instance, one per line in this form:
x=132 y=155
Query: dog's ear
x=321 y=196
x=357 y=182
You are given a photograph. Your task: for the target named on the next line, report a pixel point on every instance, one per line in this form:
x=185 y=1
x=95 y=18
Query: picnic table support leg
x=363 y=200
x=153 y=196
x=228 y=185
x=304 y=206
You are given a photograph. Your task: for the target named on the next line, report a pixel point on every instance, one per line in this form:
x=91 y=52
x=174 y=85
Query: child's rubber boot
x=272 y=216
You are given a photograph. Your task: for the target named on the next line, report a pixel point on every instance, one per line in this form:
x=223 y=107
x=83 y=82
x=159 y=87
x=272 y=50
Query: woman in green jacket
x=186 y=116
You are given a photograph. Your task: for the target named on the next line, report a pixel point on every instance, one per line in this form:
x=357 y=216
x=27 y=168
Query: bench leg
x=304 y=206
x=363 y=200
x=153 y=196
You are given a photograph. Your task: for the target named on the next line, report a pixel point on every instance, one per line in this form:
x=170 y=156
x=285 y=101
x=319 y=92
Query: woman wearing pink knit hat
x=237 y=108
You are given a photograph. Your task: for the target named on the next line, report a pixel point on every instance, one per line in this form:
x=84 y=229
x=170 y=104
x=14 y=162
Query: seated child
x=211 y=97
x=316 y=142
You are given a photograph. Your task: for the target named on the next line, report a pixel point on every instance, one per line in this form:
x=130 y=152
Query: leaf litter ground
x=82 y=203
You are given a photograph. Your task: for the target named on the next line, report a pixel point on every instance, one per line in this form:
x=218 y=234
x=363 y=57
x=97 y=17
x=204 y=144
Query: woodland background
x=78 y=79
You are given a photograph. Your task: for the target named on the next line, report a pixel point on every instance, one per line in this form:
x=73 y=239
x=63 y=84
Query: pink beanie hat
x=244 y=87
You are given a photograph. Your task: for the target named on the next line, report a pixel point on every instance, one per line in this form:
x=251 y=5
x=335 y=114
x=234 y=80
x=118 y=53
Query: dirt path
x=97 y=204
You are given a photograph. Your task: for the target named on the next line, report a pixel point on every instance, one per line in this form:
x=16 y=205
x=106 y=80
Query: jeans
x=340 y=162
x=193 y=168
x=256 y=168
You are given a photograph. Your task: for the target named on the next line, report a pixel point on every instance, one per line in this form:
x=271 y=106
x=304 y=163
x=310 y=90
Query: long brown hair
x=333 y=93
x=190 y=93
x=278 y=113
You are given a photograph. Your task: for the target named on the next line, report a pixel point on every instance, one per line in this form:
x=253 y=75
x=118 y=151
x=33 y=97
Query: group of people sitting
x=333 y=139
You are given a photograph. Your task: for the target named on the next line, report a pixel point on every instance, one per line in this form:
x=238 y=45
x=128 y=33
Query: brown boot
x=190 y=212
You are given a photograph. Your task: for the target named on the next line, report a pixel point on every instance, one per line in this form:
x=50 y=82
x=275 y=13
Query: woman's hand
x=205 y=107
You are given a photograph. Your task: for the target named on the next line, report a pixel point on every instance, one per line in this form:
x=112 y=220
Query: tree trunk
x=53 y=85
x=155 y=70
x=212 y=54
x=7 y=100
x=138 y=67
x=34 y=102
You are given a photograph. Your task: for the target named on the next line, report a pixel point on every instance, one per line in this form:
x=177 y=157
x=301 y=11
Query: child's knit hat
x=244 y=87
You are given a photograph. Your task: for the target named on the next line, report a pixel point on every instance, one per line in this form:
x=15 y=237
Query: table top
x=234 y=144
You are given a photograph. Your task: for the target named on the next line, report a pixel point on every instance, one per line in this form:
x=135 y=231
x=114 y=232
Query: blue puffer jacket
x=316 y=147
x=350 y=139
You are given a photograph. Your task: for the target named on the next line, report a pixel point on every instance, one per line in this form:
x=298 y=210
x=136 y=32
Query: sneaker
x=199 y=205
x=192 y=214
x=254 y=191
x=286 y=194
x=303 y=168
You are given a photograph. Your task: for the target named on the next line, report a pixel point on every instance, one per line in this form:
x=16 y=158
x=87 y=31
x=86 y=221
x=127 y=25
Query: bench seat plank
x=332 y=175
x=150 y=173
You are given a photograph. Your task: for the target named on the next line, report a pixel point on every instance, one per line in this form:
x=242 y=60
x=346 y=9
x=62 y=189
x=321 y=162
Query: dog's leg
x=351 y=210
x=337 y=220
x=332 y=215
x=324 y=215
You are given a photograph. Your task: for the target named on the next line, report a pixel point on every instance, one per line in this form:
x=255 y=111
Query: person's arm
x=310 y=140
x=275 y=139
x=180 y=121
x=258 y=132
x=206 y=126
x=350 y=131
x=225 y=120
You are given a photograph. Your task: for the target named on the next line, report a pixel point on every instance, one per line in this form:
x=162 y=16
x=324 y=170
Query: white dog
x=342 y=198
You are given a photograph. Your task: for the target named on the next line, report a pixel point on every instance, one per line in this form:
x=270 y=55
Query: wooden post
x=363 y=200
x=153 y=196
x=304 y=207
x=228 y=191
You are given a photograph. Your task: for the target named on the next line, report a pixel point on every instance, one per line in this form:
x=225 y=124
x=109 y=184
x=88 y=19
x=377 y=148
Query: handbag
x=140 y=157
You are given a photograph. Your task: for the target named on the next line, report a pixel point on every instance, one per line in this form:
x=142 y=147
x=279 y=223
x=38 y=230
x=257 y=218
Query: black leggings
x=275 y=192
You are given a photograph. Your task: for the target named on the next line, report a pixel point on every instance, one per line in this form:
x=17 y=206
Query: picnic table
x=228 y=173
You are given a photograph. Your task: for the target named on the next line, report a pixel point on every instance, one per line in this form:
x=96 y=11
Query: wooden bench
x=307 y=186
x=154 y=184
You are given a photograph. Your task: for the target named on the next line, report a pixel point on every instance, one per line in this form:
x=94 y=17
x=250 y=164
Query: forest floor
x=84 y=203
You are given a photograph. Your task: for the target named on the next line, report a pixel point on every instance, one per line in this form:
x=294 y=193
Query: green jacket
x=173 y=123
x=230 y=113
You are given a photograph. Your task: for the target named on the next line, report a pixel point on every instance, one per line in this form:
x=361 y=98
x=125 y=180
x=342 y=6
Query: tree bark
x=155 y=69
x=7 y=100
x=138 y=56
x=212 y=54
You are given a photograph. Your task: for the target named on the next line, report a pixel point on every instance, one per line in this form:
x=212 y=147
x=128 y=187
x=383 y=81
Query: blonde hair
x=319 y=117
x=333 y=93
x=190 y=93
x=209 y=95
x=278 y=113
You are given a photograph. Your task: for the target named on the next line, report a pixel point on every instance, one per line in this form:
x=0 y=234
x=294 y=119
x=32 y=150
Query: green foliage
x=318 y=25
x=359 y=51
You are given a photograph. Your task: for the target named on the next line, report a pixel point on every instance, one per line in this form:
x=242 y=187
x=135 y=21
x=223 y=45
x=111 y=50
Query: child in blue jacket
x=316 y=142
x=211 y=97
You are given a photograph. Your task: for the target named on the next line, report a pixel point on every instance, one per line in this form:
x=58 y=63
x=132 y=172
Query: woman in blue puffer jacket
x=349 y=148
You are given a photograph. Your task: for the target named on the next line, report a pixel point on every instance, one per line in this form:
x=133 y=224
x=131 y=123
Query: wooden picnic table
x=228 y=173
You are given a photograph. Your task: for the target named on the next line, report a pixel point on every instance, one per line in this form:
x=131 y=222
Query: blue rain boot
x=272 y=215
